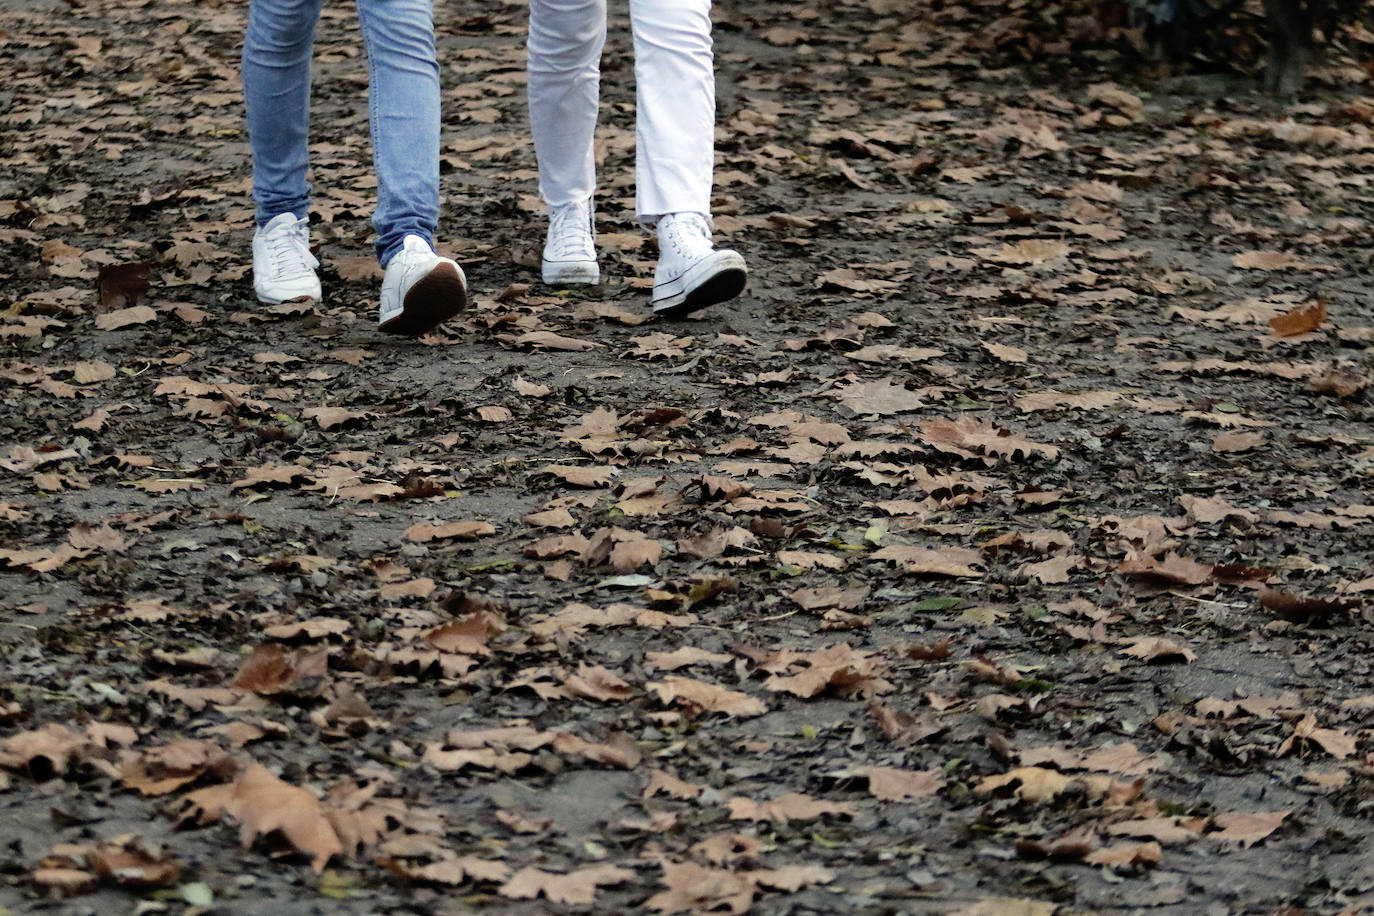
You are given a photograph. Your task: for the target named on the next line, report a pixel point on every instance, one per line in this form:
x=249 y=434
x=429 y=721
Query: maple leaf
x=1029 y=252
x=331 y=417
x=881 y=397
x=697 y=889
x=1167 y=830
x=708 y=698
x=1332 y=740
x=454 y=870
x=576 y=888
x=1237 y=442
x=895 y=784
x=1005 y=352
x=468 y=635
x=944 y=561
x=618 y=750
x=838 y=666
x=285 y=474
x=1139 y=854
x=594 y=682
x=44 y=752
x=1051 y=400
x=668 y=784
x=1303 y=609
x=970 y=437
x=263 y=804
x=791 y=807
x=1246 y=828
x=423 y=532
x=582 y=475
x=1007 y=906
x=548 y=340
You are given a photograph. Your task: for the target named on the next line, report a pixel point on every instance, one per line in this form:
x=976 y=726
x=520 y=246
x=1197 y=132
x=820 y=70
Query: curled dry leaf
x=1170 y=568
x=791 y=807
x=618 y=750
x=1040 y=784
x=272 y=669
x=164 y=769
x=424 y=532
x=1159 y=650
x=1300 y=320
x=1303 y=609
x=594 y=682
x=1143 y=855
x=44 y=752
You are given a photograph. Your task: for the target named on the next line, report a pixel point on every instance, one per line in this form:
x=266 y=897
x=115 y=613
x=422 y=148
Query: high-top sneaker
x=570 y=250
x=691 y=273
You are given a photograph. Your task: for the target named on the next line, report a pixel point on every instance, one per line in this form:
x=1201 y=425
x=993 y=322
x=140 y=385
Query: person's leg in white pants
x=675 y=91
x=566 y=37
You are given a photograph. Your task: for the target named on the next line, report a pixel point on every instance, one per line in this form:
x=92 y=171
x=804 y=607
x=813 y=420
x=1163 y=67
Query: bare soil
x=998 y=479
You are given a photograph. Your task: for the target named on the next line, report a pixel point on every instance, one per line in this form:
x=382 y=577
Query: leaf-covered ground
x=1006 y=549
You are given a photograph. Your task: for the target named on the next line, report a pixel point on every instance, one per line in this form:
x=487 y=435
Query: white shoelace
x=291 y=253
x=570 y=234
x=688 y=234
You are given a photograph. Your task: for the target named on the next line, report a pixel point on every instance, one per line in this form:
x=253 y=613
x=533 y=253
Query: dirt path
x=994 y=554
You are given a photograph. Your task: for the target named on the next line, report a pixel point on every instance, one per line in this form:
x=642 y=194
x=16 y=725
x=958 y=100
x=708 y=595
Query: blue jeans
x=403 y=93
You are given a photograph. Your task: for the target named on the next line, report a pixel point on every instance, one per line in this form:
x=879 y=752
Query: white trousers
x=675 y=100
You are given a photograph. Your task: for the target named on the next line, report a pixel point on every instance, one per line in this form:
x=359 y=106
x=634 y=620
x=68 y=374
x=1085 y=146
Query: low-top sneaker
x=692 y=274
x=283 y=267
x=420 y=290
x=570 y=250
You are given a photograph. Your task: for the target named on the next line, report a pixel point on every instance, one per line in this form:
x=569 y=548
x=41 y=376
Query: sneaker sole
x=570 y=273
x=436 y=298
x=303 y=297
x=725 y=284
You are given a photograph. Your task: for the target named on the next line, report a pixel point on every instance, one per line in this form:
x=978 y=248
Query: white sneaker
x=283 y=267
x=570 y=250
x=691 y=274
x=420 y=290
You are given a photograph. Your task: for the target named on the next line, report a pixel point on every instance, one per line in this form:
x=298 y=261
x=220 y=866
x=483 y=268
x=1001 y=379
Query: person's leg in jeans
x=674 y=153
x=564 y=70
x=276 y=92
x=403 y=99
